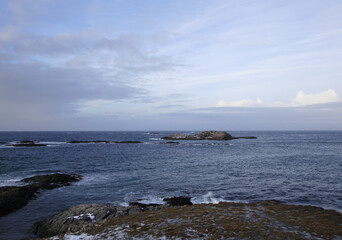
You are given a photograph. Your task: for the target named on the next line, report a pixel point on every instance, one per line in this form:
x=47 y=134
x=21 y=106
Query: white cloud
x=240 y=103
x=301 y=99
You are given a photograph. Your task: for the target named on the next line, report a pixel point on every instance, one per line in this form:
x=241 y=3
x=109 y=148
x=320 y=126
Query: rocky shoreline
x=15 y=197
x=178 y=218
x=184 y=220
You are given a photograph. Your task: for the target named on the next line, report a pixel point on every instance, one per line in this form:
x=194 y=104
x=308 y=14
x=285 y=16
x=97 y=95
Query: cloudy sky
x=170 y=65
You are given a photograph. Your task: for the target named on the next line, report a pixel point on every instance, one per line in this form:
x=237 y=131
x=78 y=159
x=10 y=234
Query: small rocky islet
x=27 y=143
x=206 y=135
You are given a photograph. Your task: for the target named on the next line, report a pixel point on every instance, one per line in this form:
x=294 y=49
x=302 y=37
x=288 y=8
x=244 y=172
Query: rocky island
x=205 y=135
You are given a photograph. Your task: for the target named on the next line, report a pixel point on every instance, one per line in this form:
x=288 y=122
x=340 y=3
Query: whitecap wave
x=207 y=198
x=53 y=143
x=6 y=146
x=147 y=199
x=151 y=199
x=10 y=182
x=155 y=139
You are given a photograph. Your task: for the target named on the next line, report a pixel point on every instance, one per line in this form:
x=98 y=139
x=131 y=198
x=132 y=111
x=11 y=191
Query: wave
x=153 y=199
x=155 y=139
x=207 y=198
x=52 y=143
x=11 y=182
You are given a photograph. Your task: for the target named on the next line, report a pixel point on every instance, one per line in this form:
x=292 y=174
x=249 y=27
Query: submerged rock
x=171 y=142
x=15 y=197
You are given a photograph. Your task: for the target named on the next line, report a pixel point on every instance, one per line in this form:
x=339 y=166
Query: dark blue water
x=294 y=167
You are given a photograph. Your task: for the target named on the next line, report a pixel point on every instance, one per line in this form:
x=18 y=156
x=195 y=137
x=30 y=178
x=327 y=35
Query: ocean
x=295 y=167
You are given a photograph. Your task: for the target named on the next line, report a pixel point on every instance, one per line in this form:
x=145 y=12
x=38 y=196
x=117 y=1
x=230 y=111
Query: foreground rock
x=86 y=216
x=75 y=219
x=260 y=220
x=206 y=135
x=15 y=197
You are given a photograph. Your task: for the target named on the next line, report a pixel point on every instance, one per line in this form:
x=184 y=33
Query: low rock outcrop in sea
x=89 y=141
x=15 y=197
x=102 y=141
x=169 y=142
x=205 y=135
x=51 y=181
x=225 y=220
x=27 y=143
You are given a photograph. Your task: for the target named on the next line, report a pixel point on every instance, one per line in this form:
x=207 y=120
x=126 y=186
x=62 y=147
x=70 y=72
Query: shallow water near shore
x=293 y=167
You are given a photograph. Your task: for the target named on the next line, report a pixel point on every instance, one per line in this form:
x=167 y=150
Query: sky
x=98 y=65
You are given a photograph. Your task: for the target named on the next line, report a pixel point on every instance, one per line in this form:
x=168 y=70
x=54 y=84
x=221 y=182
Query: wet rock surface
x=178 y=201
x=205 y=135
x=15 y=197
x=51 y=181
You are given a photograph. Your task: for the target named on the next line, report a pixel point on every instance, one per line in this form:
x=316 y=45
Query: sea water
x=292 y=167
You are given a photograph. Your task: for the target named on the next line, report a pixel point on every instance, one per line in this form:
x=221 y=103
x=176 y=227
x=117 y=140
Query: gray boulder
x=74 y=219
x=84 y=216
